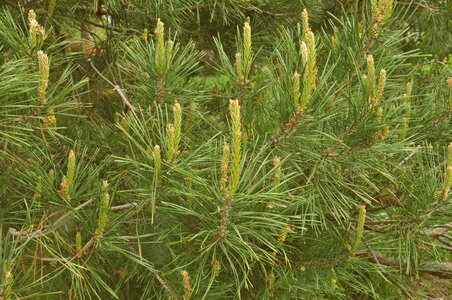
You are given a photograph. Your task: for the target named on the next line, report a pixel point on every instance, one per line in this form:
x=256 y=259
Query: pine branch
x=442 y=269
x=24 y=234
x=287 y=130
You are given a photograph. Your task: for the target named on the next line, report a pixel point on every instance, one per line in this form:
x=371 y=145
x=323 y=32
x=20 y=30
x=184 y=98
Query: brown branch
x=287 y=130
x=404 y=290
x=438 y=231
x=442 y=268
x=446 y=242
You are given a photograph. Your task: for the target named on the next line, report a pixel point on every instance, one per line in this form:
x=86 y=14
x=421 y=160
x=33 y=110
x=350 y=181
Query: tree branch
x=115 y=87
x=24 y=234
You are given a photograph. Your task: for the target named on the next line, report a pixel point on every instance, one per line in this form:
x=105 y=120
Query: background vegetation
x=225 y=149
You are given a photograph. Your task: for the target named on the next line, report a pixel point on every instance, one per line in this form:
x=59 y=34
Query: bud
x=386 y=9
x=43 y=62
x=375 y=30
x=447 y=183
x=144 y=35
x=379 y=135
x=449 y=156
x=234 y=109
x=408 y=92
x=51 y=7
x=333 y=41
x=277 y=165
x=310 y=42
x=187 y=287
x=385 y=131
x=160 y=47
x=379 y=115
x=64 y=189
x=70 y=169
x=373 y=7
x=157 y=164
x=170 y=139
x=31 y=15
x=371 y=76
x=381 y=86
x=190 y=116
x=447 y=175
x=169 y=52
x=449 y=82
x=404 y=127
x=305 y=20
x=51 y=177
x=78 y=242
x=238 y=66
x=406 y=100
x=50 y=120
x=283 y=233
x=38 y=193
x=216 y=267
x=359 y=228
x=365 y=81
x=225 y=169
x=8 y=281
x=314 y=81
x=296 y=88
x=247 y=54
x=304 y=54
x=271 y=283
x=449 y=85
x=305 y=23
x=33 y=24
x=309 y=75
x=35 y=35
x=102 y=217
x=177 y=112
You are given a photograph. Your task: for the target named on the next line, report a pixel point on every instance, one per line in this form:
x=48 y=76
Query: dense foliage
x=223 y=149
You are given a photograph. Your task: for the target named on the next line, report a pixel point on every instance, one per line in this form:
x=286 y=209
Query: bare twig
x=446 y=242
x=112 y=28
x=123 y=206
x=443 y=268
x=408 y=157
x=287 y=130
x=48 y=259
x=23 y=234
x=115 y=87
x=438 y=231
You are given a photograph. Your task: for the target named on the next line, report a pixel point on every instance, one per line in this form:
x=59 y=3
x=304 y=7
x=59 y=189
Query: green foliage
x=224 y=149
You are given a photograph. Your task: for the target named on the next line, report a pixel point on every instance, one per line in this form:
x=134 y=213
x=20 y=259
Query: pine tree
x=225 y=149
